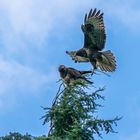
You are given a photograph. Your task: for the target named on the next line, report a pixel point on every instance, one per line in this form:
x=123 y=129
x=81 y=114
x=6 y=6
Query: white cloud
x=26 y=21
x=123 y=11
x=17 y=80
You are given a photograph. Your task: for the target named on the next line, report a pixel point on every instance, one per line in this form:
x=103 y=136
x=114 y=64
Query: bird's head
x=61 y=68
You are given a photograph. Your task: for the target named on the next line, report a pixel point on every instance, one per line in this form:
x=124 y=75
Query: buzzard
x=94 y=42
x=69 y=74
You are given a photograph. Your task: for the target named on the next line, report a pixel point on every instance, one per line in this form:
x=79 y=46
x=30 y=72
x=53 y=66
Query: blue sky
x=34 y=36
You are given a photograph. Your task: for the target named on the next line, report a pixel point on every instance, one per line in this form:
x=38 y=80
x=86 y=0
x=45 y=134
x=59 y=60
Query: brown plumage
x=69 y=74
x=94 y=42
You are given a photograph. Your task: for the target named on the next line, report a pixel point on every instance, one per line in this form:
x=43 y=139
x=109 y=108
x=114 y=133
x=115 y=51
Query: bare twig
x=58 y=80
x=49 y=133
x=58 y=94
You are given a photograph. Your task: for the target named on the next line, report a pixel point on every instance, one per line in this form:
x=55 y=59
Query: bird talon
x=93 y=72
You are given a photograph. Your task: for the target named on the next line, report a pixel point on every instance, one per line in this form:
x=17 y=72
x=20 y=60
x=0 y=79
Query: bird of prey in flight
x=94 y=42
x=69 y=74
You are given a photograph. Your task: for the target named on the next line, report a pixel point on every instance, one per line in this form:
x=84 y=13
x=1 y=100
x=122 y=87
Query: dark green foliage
x=73 y=114
x=18 y=136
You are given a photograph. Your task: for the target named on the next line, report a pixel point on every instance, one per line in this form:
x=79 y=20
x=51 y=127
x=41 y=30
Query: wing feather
x=90 y=13
x=97 y=14
x=85 y=18
x=94 y=12
x=94 y=30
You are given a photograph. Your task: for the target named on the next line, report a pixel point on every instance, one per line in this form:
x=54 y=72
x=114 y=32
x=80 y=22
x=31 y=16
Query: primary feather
x=94 y=31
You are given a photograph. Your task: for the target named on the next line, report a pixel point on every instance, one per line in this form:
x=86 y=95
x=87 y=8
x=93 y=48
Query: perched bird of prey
x=94 y=42
x=69 y=74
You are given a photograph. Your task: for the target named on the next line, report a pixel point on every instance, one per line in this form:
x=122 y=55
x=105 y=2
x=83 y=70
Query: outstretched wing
x=77 y=58
x=94 y=30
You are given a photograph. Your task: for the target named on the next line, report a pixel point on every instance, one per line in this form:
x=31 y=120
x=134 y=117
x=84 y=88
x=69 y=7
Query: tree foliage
x=73 y=114
x=18 y=136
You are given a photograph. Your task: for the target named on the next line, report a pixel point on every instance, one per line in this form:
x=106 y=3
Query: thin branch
x=58 y=94
x=58 y=80
x=49 y=133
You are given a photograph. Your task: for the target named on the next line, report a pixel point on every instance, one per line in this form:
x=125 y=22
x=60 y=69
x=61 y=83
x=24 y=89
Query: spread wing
x=94 y=30
x=77 y=58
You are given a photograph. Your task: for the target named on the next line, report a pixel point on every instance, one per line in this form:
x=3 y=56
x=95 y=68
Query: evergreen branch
x=58 y=94
x=71 y=114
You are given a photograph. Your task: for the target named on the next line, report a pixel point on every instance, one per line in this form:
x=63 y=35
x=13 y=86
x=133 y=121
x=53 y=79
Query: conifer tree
x=73 y=114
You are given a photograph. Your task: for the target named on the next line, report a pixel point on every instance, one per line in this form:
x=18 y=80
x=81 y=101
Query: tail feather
x=106 y=62
x=85 y=72
x=90 y=82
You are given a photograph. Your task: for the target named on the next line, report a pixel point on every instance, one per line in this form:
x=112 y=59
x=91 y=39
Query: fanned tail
x=106 y=62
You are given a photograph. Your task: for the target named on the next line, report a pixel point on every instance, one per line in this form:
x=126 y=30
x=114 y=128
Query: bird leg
x=93 y=71
x=75 y=61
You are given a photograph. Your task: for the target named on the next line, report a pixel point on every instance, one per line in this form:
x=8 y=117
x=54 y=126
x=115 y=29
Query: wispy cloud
x=26 y=21
x=123 y=11
x=17 y=79
x=25 y=26
x=23 y=21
